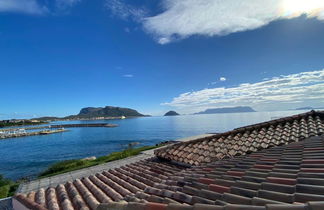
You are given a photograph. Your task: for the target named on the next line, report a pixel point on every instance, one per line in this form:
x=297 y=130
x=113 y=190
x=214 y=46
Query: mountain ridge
x=308 y=108
x=236 y=109
x=98 y=112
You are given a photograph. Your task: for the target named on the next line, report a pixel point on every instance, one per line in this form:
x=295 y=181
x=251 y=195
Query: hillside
x=171 y=113
x=97 y=112
x=108 y=111
x=237 y=109
x=47 y=118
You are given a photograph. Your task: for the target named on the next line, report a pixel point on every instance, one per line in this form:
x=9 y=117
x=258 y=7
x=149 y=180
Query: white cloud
x=222 y=79
x=128 y=75
x=184 y=18
x=163 y=40
x=22 y=6
x=125 y=11
x=304 y=87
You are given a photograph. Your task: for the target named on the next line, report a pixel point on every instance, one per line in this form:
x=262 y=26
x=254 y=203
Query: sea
x=26 y=157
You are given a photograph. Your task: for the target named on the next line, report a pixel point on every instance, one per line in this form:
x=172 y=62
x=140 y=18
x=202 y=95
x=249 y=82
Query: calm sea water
x=28 y=156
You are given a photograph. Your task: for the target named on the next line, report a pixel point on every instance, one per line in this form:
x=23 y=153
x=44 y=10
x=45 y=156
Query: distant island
x=308 y=108
x=98 y=113
x=108 y=111
x=171 y=113
x=236 y=109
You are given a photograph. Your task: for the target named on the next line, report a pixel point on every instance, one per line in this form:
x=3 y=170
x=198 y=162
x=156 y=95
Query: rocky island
x=105 y=112
x=98 y=113
x=171 y=113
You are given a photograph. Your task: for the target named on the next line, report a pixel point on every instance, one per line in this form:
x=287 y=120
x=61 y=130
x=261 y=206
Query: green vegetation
x=18 y=123
x=71 y=165
x=44 y=119
x=7 y=187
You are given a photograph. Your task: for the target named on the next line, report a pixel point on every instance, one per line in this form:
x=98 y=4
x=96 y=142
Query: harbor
x=21 y=132
x=79 y=125
x=45 y=130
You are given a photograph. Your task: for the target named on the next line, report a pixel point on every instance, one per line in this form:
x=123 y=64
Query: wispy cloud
x=125 y=11
x=222 y=79
x=65 y=4
x=22 y=6
x=184 y=18
x=128 y=75
x=34 y=7
x=294 y=88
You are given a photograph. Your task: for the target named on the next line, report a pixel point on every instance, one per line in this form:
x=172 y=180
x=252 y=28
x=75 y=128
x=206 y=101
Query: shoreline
x=36 y=133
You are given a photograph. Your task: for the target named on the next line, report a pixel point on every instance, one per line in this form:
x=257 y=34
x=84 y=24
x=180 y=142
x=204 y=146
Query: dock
x=22 y=133
x=80 y=125
x=49 y=129
x=46 y=132
x=84 y=125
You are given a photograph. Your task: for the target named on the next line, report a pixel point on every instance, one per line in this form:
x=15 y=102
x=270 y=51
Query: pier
x=80 y=125
x=84 y=125
x=49 y=129
x=22 y=133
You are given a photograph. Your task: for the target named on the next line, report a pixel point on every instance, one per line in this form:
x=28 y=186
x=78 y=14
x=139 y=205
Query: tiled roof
x=108 y=186
x=287 y=176
x=283 y=177
x=313 y=205
x=245 y=140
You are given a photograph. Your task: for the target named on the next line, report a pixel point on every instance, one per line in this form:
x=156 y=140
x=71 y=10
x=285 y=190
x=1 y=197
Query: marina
x=76 y=125
x=44 y=130
x=21 y=132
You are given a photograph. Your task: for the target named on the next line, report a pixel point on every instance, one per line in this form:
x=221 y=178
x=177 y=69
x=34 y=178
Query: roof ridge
x=251 y=127
x=298 y=128
x=310 y=113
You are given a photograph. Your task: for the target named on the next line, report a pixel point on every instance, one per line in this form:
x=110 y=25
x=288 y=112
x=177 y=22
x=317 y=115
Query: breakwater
x=84 y=125
x=21 y=133
x=49 y=129
x=80 y=125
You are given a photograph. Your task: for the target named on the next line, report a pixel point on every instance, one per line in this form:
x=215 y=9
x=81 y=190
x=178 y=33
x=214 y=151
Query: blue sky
x=156 y=55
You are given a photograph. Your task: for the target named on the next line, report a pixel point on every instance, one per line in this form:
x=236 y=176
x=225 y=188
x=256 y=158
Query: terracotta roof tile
x=114 y=185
